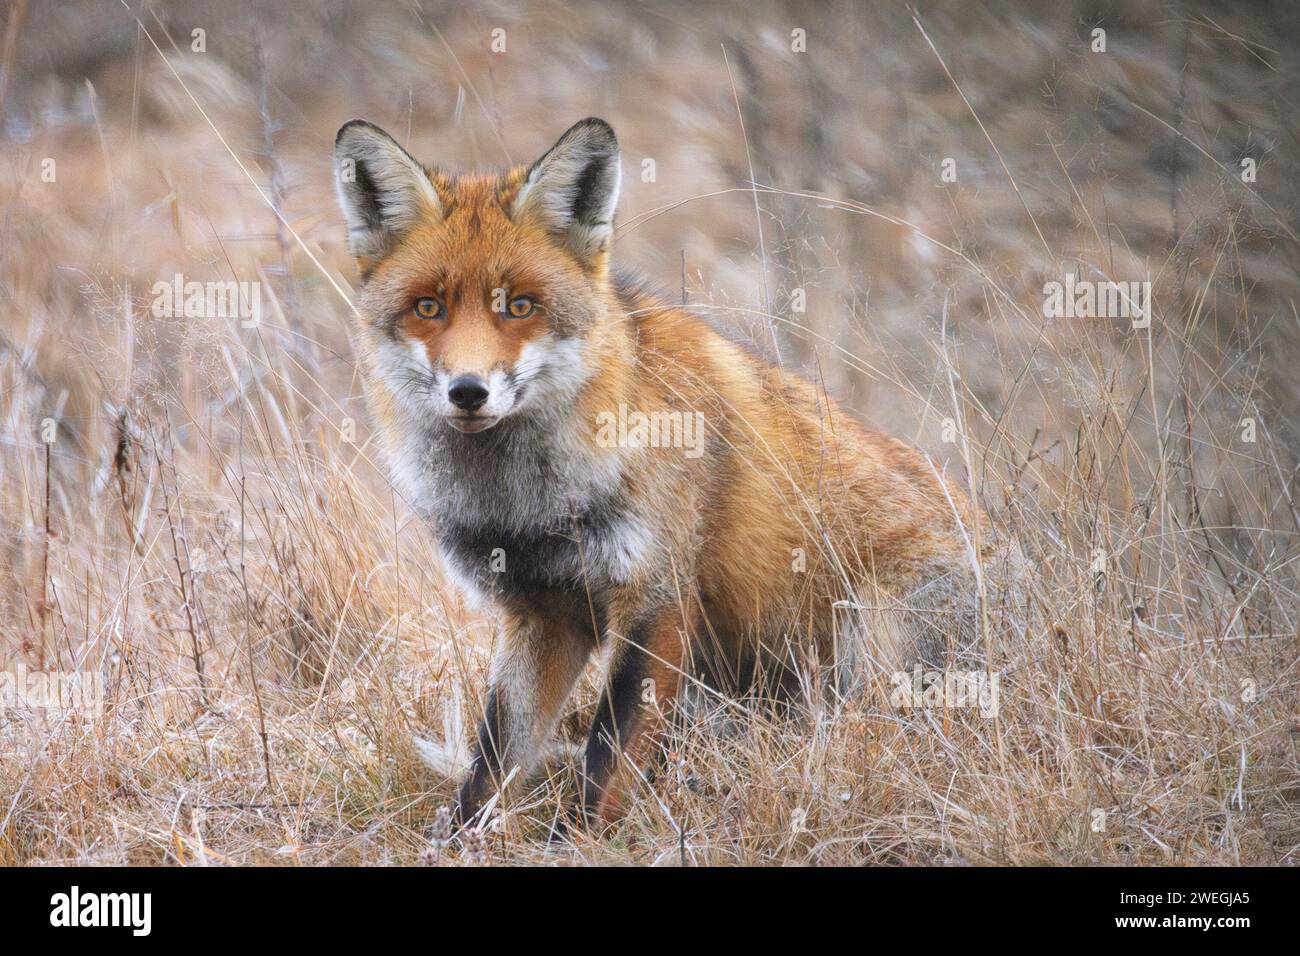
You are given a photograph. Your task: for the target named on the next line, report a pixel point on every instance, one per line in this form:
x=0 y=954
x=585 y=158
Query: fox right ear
x=382 y=189
x=573 y=189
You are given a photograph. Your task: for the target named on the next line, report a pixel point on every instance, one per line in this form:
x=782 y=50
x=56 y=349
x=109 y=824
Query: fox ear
x=382 y=189
x=573 y=188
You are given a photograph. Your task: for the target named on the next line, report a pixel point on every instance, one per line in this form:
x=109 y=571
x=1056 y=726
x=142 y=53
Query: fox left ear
x=573 y=188
x=382 y=189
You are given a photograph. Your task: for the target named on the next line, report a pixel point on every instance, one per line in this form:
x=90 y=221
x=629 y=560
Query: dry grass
x=212 y=534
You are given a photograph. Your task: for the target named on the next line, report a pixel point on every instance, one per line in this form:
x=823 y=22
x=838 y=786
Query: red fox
x=610 y=473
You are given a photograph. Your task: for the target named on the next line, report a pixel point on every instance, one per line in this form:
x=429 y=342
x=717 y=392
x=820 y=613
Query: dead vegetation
x=211 y=530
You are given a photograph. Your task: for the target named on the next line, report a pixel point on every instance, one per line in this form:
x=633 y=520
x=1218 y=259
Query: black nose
x=468 y=392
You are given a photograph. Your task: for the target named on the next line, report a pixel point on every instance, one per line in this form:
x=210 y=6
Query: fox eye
x=428 y=308
x=520 y=307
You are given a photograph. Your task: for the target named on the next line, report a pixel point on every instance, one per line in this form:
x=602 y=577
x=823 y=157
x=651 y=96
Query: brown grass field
x=195 y=511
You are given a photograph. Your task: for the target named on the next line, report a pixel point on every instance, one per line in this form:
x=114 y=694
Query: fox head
x=478 y=290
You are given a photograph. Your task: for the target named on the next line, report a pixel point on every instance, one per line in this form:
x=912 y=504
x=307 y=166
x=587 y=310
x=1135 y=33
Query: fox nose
x=468 y=392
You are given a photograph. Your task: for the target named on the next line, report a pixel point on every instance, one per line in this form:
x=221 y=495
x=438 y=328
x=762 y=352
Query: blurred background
x=871 y=195
x=1123 y=164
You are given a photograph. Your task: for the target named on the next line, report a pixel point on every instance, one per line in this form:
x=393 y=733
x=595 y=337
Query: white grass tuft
x=449 y=757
